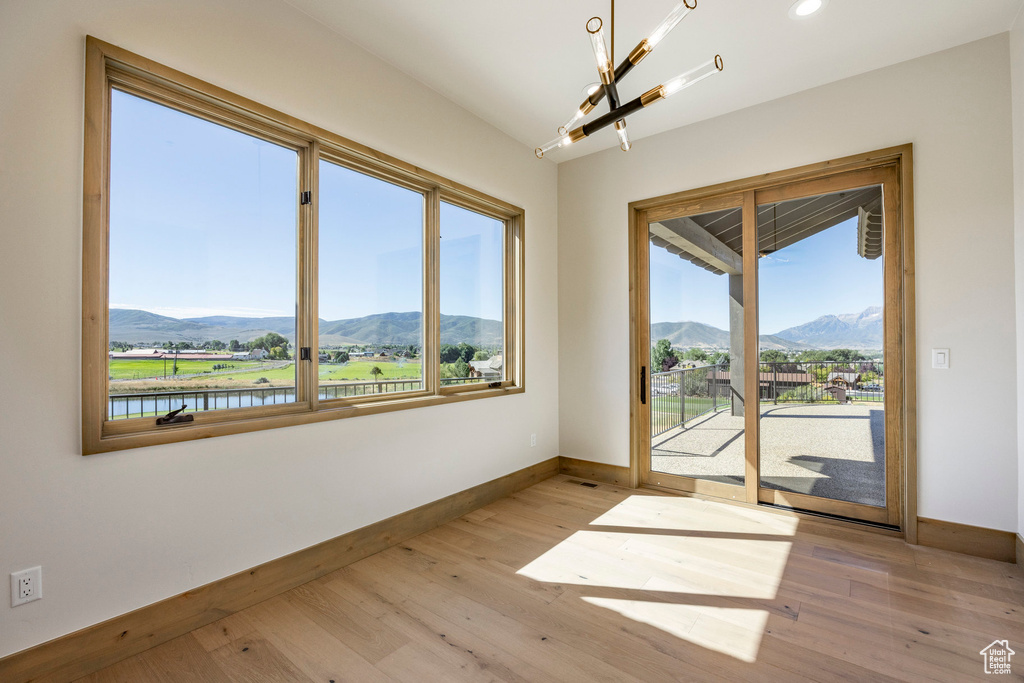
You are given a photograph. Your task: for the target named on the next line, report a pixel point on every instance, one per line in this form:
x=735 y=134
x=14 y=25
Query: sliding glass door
x=768 y=324
x=698 y=437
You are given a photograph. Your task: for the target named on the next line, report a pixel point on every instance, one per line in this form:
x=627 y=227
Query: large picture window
x=244 y=270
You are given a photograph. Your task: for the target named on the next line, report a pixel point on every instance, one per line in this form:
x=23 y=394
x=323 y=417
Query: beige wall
x=1017 y=76
x=954 y=106
x=117 y=531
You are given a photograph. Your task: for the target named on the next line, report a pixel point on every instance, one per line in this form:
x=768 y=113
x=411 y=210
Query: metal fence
x=678 y=396
x=124 y=406
x=822 y=381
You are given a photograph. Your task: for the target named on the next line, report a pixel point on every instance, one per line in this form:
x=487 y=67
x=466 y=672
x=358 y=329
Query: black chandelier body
x=618 y=111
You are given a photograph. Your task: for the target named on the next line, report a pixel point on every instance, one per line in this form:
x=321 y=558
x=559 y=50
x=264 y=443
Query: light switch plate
x=940 y=359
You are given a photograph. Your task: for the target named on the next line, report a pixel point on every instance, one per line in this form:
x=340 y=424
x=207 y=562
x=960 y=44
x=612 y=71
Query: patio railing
x=680 y=395
x=123 y=406
x=817 y=381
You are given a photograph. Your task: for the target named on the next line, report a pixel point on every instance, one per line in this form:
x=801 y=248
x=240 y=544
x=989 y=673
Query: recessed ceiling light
x=805 y=8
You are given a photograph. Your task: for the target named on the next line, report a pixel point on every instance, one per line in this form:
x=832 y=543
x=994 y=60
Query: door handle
x=643 y=384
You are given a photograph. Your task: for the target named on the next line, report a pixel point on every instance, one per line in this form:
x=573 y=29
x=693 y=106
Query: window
x=371 y=285
x=261 y=272
x=472 y=306
x=202 y=289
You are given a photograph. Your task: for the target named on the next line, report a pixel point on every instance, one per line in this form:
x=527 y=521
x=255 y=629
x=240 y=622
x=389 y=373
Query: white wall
x=117 y=531
x=1017 y=78
x=955 y=107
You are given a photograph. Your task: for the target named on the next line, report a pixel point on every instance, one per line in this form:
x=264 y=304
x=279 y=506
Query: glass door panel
x=696 y=406
x=821 y=292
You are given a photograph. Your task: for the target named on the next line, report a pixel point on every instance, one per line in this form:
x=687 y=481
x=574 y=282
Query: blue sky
x=817 y=276
x=203 y=222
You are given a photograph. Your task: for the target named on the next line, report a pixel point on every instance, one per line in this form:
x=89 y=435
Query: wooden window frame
x=107 y=67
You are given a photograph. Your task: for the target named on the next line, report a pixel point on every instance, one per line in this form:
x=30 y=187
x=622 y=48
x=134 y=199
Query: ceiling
x=522 y=65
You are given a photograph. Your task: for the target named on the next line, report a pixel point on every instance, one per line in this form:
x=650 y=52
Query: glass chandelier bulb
x=620 y=129
x=695 y=75
x=595 y=27
x=668 y=23
x=560 y=141
x=567 y=126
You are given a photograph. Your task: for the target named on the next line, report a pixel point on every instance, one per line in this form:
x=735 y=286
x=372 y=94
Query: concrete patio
x=826 y=450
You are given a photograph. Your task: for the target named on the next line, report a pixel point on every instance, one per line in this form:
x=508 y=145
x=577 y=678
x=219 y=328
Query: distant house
x=848 y=379
x=138 y=353
x=771 y=383
x=254 y=354
x=486 y=369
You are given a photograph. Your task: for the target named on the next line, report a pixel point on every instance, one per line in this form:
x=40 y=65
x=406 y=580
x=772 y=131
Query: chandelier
x=617 y=111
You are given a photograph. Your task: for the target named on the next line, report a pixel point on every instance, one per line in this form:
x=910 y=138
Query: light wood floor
x=567 y=583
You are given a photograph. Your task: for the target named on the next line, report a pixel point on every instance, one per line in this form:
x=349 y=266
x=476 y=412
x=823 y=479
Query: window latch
x=304 y=354
x=173 y=417
x=306 y=197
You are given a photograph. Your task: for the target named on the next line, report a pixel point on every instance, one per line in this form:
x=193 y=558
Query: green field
x=123 y=368
x=359 y=370
x=353 y=371
x=694 y=404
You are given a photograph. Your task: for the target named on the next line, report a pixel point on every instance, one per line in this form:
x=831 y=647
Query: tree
x=721 y=358
x=449 y=353
x=268 y=341
x=413 y=350
x=773 y=356
x=844 y=355
x=663 y=358
x=460 y=368
x=481 y=355
x=341 y=356
x=377 y=374
x=696 y=354
x=466 y=351
x=233 y=345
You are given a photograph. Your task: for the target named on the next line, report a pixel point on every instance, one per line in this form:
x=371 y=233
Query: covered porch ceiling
x=714 y=241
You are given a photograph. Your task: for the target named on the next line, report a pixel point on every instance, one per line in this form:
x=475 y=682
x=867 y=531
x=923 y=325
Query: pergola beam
x=687 y=235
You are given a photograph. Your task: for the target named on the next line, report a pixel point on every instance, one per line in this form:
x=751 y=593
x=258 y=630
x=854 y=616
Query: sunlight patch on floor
x=731 y=631
x=683 y=565
x=694 y=514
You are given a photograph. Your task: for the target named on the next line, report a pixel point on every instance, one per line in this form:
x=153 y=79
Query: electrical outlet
x=26 y=586
x=533 y=440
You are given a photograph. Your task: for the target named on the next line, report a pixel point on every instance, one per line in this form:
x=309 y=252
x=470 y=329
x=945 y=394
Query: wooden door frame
x=714 y=197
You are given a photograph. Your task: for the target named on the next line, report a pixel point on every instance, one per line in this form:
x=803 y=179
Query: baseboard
x=969 y=540
x=1020 y=549
x=92 y=648
x=595 y=471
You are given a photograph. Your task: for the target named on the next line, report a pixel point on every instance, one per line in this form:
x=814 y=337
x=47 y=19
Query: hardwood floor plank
x=314 y=650
x=568 y=583
x=358 y=629
x=252 y=659
x=460 y=644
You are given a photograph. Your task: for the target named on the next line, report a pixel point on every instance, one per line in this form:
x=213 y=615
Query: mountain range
x=142 y=327
x=862 y=330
